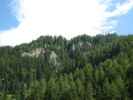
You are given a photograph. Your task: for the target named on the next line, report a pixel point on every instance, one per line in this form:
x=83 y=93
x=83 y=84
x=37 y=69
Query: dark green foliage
x=83 y=68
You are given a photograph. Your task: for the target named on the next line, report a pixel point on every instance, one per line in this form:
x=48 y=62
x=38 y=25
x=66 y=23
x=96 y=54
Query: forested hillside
x=54 y=68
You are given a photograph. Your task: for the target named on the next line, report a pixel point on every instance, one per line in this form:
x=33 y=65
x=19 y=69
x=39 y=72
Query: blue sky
x=24 y=20
x=125 y=24
x=7 y=19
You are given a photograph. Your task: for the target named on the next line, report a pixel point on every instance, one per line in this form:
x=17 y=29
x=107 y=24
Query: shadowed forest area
x=54 y=68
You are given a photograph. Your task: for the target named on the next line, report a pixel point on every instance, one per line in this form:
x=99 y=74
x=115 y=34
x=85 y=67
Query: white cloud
x=68 y=18
x=121 y=9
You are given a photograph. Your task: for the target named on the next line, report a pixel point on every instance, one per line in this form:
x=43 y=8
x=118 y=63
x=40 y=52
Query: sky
x=22 y=21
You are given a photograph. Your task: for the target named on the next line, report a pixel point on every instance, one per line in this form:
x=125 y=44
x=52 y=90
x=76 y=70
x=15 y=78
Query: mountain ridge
x=53 y=68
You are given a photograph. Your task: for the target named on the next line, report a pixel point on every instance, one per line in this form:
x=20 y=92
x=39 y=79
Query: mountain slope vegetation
x=54 y=68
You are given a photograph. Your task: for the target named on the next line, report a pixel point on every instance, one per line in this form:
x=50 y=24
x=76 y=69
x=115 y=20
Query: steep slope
x=54 y=68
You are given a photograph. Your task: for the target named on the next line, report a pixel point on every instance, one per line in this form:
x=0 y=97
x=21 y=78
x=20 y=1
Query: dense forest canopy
x=54 y=68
